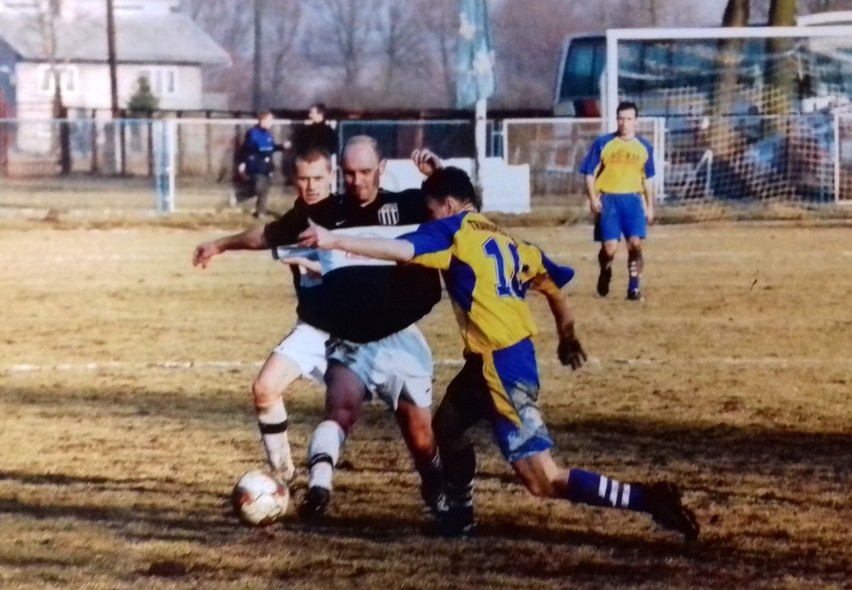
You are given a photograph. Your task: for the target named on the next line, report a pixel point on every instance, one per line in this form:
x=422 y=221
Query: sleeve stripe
x=561 y=275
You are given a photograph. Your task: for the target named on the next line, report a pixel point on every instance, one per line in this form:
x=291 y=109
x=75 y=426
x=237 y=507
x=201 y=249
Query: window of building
x=68 y=79
x=163 y=81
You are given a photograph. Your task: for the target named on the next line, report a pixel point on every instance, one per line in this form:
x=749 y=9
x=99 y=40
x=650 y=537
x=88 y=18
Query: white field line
x=592 y=363
x=575 y=255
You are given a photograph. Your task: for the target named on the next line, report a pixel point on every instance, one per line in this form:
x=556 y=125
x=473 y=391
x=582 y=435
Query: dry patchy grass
x=733 y=378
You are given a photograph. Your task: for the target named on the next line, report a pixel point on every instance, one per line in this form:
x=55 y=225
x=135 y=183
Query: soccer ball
x=260 y=500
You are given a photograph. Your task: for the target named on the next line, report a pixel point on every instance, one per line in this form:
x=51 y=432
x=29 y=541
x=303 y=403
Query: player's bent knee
x=344 y=417
x=277 y=374
x=449 y=427
x=264 y=395
x=609 y=248
x=422 y=440
x=416 y=424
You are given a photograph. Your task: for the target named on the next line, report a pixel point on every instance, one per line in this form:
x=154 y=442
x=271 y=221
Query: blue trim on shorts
x=523 y=434
x=622 y=214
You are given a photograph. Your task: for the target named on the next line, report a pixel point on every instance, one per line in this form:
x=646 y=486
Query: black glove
x=571 y=352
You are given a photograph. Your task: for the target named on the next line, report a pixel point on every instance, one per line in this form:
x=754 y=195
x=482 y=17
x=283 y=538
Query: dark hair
x=312 y=155
x=320 y=107
x=451 y=182
x=625 y=105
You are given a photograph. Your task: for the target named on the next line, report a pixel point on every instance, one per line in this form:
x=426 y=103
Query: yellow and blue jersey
x=487 y=273
x=619 y=166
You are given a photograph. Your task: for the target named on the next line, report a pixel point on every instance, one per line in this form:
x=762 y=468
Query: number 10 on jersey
x=506 y=268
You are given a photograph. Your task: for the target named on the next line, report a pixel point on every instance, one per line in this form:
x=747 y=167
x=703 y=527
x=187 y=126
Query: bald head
x=362 y=166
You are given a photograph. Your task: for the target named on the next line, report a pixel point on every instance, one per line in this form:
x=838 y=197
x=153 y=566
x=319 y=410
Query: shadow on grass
x=500 y=548
x=504 y=546
x=719 y=447
x=656 y=442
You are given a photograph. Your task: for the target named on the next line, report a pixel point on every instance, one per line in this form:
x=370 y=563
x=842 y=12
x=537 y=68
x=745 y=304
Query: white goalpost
x=751 y=113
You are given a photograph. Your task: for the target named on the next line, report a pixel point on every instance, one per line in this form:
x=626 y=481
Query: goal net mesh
x=748 y=120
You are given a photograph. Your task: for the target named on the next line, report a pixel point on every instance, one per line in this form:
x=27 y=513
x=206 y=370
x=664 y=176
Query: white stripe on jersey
x=334 y=259
x=280 y=252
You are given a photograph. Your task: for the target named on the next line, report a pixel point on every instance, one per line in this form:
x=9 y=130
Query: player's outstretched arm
x=318 y=237
x=251 y=239
x=570 y=351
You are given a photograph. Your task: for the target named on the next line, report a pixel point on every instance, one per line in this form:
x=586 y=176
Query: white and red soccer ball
x=259 y=499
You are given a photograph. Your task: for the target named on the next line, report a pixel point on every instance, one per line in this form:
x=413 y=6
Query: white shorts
x=305 y=346
x=396 y=366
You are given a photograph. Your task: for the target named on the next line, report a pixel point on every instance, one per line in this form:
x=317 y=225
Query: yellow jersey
x=619 y=166
x=487 y=273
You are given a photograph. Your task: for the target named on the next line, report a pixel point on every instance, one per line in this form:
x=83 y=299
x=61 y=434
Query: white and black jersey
x=362 y=303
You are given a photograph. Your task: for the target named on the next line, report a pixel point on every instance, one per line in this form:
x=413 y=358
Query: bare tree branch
x=284 y=24
x=343 y=30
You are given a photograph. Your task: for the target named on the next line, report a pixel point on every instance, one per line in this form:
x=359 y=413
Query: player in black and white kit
x=374 y=349
x=302 y=352
x=369 y=310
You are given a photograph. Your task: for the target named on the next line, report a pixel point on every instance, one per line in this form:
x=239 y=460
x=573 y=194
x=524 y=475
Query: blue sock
x=634 y=269
x=633 y=283
x=587 y=487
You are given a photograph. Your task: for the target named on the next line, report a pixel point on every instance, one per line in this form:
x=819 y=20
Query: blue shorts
x=621 y=215
x=511 y=379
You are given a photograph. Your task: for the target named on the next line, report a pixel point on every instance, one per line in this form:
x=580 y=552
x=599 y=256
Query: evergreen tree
x=143 y=100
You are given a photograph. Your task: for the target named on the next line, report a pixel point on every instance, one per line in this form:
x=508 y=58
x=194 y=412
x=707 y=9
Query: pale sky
x=708 y=12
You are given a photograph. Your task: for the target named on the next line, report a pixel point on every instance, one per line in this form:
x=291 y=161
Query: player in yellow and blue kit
x=618 y=170
x=488 y=274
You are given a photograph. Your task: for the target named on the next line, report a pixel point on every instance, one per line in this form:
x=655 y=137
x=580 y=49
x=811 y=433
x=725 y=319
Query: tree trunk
x=782 y=73
x=722 y=141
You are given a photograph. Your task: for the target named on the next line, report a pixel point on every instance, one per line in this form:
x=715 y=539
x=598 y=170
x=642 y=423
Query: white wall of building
x=69 y=9
x=87 y=86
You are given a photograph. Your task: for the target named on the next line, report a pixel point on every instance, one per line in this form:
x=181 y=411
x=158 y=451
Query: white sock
x=323 y=453
x=272 y=422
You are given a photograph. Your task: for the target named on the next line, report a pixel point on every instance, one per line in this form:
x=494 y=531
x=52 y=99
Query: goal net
x=554 y=148
x=752 y=115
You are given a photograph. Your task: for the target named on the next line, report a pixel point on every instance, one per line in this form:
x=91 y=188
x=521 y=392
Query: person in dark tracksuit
x=256 y=164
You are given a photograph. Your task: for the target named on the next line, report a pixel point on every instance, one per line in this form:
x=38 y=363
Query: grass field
x=126 y=421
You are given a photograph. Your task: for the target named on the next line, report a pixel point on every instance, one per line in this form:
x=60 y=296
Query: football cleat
x=634 y=295
x=456 y=523
x=314 y=504
x=434 y=499
x=432 y=493
x=667 y=510
x=604 y=278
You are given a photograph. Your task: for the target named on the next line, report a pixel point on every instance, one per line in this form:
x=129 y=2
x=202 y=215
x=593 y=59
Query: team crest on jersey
x=389 y=214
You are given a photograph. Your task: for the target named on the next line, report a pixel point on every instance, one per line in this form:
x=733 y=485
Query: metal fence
x=554 y=149
x=189 y=163
x=803 y=158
